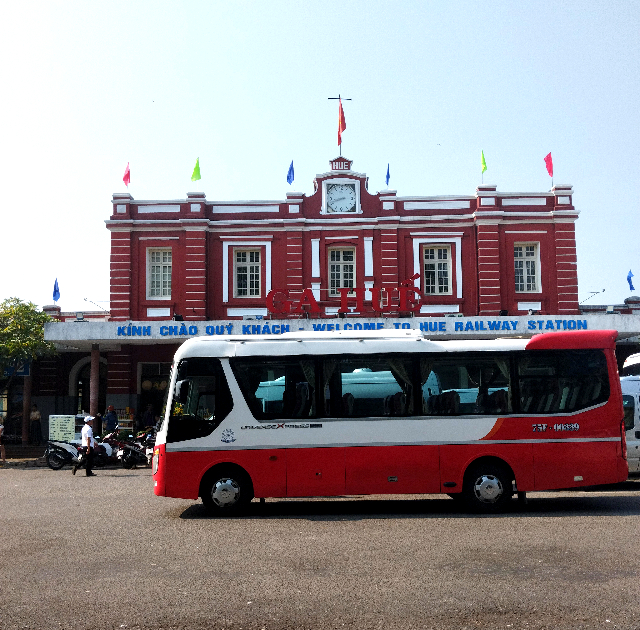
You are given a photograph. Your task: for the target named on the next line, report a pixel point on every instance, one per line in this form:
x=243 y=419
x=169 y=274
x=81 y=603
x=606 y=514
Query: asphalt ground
x=105 y=552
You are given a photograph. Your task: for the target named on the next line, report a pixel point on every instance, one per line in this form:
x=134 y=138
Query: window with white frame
x=246 y=273
x=525 y=258
x=437 y=270
x=342 y=270
x=159 y=273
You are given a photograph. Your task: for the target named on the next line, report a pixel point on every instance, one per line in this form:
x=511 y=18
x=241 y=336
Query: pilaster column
x=195 y=273
x=489 y=299
x=94 y=383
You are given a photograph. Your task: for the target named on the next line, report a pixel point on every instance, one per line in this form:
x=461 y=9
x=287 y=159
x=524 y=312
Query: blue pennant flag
x=56 y=291
x=629 y=276
x=388 y=177
x=290 y=174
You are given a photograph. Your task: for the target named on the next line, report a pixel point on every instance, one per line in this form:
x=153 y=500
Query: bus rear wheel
x=226 y=492
x=488 y=487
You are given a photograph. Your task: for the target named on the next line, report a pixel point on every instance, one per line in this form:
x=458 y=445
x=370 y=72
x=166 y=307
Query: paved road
x=106 y=553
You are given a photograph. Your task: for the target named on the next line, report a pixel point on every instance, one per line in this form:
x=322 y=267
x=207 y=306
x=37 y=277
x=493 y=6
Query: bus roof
x=371 y=342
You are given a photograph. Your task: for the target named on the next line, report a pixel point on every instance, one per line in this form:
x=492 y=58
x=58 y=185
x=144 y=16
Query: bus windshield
x=201 y=399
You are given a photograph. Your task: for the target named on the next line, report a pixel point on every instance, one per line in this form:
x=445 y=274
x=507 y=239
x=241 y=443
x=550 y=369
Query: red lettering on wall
x=306 y=299
x=408 y=298
x=277 y=302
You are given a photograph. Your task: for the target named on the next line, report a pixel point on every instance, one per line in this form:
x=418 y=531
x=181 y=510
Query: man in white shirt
x=88 y=444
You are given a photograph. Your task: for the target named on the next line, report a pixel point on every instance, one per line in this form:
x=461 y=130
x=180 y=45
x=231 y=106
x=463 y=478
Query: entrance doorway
x=154 y=380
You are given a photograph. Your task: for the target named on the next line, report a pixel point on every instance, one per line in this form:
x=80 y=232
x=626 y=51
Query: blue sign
x=23 y=370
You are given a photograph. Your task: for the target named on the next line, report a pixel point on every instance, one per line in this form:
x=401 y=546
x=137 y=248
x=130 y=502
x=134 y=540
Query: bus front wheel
x=226 y=492
x=488 y=487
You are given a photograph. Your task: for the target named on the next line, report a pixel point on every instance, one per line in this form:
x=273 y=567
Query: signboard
x=62 y=428
x=23 y=370
x=341 y=164
x=445 y=327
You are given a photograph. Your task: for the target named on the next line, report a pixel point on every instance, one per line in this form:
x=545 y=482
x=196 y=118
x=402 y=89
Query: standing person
x=2 y=453
x=88 y=444
x=149 y=418
x=36 y=427
x=110 y=420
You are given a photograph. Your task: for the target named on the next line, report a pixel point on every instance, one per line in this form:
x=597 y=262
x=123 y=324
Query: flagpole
x=338 y=98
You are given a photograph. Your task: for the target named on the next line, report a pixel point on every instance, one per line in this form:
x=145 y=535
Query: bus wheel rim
x=225 y=492
x=488 y=488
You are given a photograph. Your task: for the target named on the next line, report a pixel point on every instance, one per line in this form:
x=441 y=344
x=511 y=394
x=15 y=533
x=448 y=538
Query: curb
x=25 y=463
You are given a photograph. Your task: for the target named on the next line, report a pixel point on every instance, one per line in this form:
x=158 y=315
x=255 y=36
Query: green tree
x=21 y=337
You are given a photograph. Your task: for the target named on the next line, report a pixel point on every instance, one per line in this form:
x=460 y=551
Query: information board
x=62 y=428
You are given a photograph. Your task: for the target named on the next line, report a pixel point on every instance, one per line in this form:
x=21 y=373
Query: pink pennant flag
x=127 y=176
x=549 y=162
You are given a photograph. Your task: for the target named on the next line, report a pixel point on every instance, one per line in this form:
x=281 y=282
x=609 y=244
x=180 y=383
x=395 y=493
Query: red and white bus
x=389 y=412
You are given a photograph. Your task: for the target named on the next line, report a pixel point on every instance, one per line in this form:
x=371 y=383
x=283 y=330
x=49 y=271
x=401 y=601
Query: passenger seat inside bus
x=348 y=404
x=445 y=404
x=541 y=397
x=303 y=401
x=496 y=402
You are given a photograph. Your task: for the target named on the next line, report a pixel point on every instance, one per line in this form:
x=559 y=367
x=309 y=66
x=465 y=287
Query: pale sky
x=90 y=86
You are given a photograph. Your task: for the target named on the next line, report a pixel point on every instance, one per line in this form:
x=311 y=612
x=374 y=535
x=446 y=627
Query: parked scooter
x=59 y=453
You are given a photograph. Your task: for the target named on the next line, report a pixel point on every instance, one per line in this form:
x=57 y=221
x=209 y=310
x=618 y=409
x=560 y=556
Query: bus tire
x=226 y=491
x=487 y=487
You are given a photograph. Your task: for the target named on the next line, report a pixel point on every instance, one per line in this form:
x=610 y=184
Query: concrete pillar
x=26 y=406
x=94 y=383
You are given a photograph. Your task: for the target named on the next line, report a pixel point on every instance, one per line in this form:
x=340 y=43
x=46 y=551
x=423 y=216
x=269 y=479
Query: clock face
x=341 y=197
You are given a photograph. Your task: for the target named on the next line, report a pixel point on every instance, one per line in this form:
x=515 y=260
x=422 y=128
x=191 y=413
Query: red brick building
x=481 y=254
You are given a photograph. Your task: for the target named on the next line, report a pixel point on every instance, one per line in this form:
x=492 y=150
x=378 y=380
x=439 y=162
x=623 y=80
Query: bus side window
x=367 y=386
x=466 y=384
x=277 y=388
x=562 y=382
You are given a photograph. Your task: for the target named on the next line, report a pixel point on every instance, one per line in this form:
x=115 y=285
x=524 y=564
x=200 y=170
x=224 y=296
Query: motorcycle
x=139 y=450
x=147 y=440
x=59 y=453
x=132 y=454
x=126 y=452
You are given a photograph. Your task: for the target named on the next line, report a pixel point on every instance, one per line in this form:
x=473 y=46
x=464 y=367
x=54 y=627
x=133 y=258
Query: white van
x=630 y=384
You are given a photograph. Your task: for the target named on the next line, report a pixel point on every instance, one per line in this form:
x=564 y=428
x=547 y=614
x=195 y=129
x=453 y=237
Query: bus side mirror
x=182 y=390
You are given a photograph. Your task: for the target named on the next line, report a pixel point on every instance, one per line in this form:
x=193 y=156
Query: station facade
x=342 y=258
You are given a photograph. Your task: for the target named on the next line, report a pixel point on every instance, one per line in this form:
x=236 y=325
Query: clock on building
x=341 y=198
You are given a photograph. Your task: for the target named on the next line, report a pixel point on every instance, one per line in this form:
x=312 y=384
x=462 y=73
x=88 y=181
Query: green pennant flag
x=196 y=171
x=484 y=164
